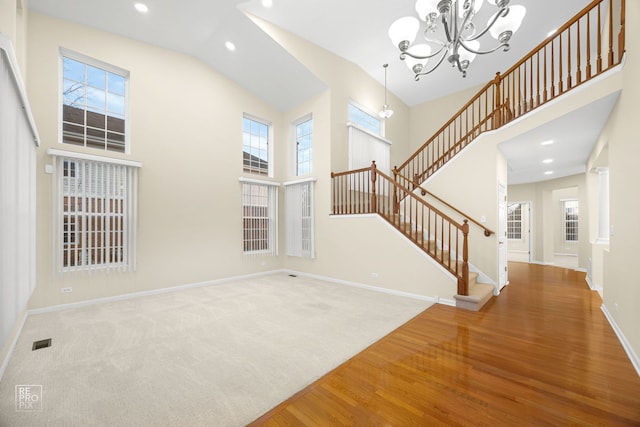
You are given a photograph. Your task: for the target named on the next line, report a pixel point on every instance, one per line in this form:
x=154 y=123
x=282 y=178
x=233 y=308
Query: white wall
x=186 y=122
x=621 y=288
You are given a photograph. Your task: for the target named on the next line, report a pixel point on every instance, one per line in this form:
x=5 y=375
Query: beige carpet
x=220 y=355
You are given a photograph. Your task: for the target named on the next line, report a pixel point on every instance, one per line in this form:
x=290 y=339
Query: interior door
x=502 y=236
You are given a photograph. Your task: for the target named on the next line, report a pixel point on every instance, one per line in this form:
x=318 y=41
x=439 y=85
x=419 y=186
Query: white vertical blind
x=259 y=217
x=299 y=202
x=18 y=145
x=95 y=213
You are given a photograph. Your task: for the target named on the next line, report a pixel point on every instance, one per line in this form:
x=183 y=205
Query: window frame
x=364 y=125
x=70 y=166
x=272 y=209
x=269 y=161
x=296 y=145
x=570 y=226
x=513 y=222
x=109 y=68
x=300 y=217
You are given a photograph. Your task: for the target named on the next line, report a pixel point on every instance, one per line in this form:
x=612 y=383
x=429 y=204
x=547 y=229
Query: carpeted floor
x=212 y=356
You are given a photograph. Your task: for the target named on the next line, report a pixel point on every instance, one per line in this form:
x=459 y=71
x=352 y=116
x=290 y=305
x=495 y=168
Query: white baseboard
x=12 y=346
x=147 y=293
x=436 y=299
x=633 y=357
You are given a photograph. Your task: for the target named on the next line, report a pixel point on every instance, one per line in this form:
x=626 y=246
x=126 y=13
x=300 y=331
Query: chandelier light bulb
x=404 y=30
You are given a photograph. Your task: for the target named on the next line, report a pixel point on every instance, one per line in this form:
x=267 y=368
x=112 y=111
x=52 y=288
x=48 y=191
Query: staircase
x=577 y=52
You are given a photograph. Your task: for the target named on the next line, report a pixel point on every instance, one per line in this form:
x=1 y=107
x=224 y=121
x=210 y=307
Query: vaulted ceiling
x=353 y=29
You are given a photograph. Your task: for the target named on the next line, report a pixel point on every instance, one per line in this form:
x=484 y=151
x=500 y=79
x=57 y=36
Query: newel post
x=374 y=178
x=497 y=103
x=463 y=288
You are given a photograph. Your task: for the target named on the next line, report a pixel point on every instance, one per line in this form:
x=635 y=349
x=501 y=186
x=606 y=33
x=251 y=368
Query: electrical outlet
x=66 y=290
x=615 y=307
x=374 y=275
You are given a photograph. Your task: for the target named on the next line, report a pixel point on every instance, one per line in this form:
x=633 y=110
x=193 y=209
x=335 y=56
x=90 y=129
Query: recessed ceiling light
x=546 y=142
x=548 y=173
x=267 y=3
x=141 y=7
x=230 y=46
x=547 y=161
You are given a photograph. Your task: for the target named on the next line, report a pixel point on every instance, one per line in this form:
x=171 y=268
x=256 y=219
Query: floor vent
x=37 y=345
x=293 y=275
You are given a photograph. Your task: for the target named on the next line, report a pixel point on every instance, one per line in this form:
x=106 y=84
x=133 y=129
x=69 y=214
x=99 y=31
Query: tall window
x=96 y=214
x=93 y=104
x=300 y=225
x=514 y=221
x=304 y=146
x=259 y=218
x=571 y=217
x=365 y=120
x=255 y=146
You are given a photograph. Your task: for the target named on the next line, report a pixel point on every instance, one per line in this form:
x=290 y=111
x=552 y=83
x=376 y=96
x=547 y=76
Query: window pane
x=88 y=93
x=116 y=84
x=96 y=77
x=255 y=146
x=73 y=70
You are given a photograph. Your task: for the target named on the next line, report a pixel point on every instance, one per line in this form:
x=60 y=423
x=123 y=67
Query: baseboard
x=147 y=293
x=436 y=300
x=633 y=357
x=14 y=341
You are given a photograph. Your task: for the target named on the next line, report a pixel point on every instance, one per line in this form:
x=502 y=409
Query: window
x=255 y=146
x=571 y=216
x=93 y=104
x=514 y=221
x=96 y=209
x=365 y=120
x=304 y=146
x=299 y=204
x=259 y=218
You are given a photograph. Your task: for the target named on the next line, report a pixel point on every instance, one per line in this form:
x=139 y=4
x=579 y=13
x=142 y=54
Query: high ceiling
x=353 y=29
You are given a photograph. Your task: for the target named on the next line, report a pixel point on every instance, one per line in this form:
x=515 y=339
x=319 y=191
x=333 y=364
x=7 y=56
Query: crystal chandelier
x=450 y=28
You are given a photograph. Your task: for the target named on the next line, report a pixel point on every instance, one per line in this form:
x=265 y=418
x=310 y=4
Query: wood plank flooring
x=542 y=353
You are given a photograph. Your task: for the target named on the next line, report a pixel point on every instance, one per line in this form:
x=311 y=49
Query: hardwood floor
x=542 y=353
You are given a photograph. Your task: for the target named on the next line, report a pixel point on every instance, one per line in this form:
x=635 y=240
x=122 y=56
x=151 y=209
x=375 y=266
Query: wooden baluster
x=569 y=84
x=579 y=59
x=463 y=284
x=374 y=197
x=588 y=70
x=396 y=201
x=610 y=33
x=599 y=61
x=497 y=103
x=553 y=69
x=621 y=35
x=544 y=79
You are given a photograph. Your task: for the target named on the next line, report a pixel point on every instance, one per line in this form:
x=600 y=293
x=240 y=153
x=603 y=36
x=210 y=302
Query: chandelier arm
x=468 y=16
x=417 y=77
x=406 y=52
x=483 y=52
x=500 y=14
x=447 y=33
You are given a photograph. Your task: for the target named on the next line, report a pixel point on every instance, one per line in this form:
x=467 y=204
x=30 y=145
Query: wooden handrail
x=487 y=232
x=546 y=72
x=367 y=190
